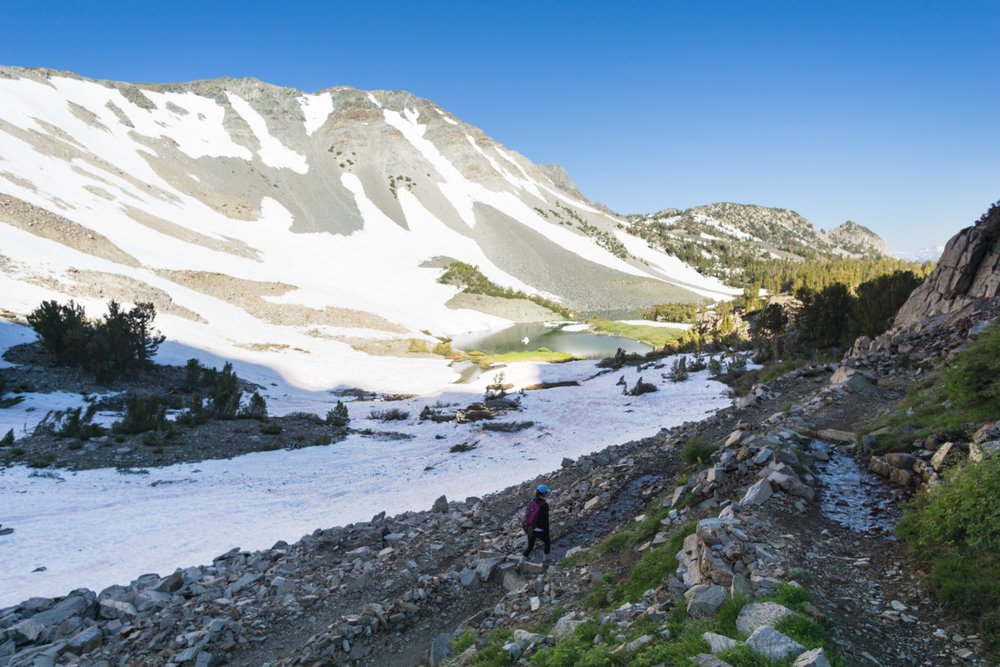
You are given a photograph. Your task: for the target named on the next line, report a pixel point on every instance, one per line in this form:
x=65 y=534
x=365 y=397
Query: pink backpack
x=530 y=515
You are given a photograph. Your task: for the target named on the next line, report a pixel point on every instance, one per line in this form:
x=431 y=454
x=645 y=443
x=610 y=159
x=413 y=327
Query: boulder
x=440 y=505
x=980 y=451
x=813 y=658
x=566 y=626
x=834 y=435
x=707 y=660
x=948 y=454
x=513 y=583
x=440 y=648
x=84 y=641
x=719 y=643
x=760 y=615
x=65 y=609
x=25 y=632
x=773 y=645
x=468 y=578
x=705 y=599
x=757 y=494
x=851 y=380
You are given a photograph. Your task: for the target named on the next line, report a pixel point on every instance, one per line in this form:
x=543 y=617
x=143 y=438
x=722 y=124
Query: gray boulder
x=704 y=600
x=813 y=658
x=761 y=615
x=757 y=494
x=719 y=643
x=772 y=644
x=440 y=505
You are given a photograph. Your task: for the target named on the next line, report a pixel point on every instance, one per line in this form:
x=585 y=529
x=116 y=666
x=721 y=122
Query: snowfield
x=96 y=528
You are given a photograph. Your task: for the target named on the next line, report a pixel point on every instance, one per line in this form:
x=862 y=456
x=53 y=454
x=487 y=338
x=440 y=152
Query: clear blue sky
x=887 y=113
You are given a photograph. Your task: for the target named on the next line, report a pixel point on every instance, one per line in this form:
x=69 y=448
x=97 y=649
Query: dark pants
x=539 y=535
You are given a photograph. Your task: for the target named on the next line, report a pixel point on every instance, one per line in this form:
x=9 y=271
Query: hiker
x=536 y=521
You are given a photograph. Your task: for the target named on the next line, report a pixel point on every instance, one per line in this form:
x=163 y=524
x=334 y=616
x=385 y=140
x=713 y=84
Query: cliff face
x=967 y=276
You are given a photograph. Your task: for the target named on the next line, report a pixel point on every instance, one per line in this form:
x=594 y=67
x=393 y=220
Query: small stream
x=853 y=496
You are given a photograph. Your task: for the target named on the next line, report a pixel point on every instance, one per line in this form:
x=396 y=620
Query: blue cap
x=543 y=489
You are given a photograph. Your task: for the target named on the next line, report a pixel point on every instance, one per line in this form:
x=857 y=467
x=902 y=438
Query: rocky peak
x=855 y=239
x=967 y=276
x=561 y=178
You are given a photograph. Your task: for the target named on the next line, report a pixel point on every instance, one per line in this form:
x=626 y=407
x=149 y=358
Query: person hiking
x=536 y=521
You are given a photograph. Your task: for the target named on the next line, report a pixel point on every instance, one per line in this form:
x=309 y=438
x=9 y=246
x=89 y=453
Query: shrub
x=271 y=428
x=679 y=370
x=142 y=415
x=641 y=388
x=696 y=450
x=443 y=349
x=974 y=377
x=192 y=375
x=256 y=408
x=8 y=439
x=390 y=414
x=417 y=346
x=226 y=392
x=338 y=417
x=63 y=330
x=462 y=447
x=507 y=427
x=121 y=343
x=673 y=312
x=497 y=388
x=78 y=424
x=195 y=414
x=955 y=529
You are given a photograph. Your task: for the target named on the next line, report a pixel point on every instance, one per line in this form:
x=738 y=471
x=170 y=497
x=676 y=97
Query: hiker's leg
x=548 y=542
x=531 y=544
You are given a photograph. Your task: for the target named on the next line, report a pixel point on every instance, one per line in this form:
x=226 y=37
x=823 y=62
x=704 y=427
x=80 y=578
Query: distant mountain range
x=719 y=238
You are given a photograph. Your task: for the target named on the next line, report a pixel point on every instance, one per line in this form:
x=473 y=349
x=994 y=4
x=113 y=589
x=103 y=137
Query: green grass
x=655 y=337
x=462 y=641
x=697 y=450
x=545 y=355
x=655 y=565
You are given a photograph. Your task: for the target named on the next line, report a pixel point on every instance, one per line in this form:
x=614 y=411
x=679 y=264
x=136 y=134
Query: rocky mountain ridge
x=721 y=237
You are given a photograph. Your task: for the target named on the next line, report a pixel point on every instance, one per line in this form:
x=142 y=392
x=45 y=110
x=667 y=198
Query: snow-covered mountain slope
x=287 y=228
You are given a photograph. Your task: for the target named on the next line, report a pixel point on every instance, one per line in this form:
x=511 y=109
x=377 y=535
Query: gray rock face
x=968 y=271
x=704 y=600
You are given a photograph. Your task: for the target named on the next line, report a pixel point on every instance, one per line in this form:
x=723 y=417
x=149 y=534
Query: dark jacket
x=542 y=522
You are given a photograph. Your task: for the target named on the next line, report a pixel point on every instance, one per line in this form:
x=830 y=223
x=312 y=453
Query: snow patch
x=316 y=109
x=272 y=152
